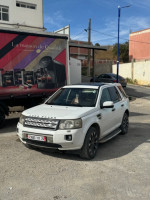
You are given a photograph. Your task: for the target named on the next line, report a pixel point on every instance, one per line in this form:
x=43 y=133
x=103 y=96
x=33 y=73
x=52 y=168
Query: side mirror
x=108 y=104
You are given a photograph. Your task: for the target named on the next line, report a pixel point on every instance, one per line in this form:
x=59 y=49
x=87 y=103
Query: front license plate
x=36 y=137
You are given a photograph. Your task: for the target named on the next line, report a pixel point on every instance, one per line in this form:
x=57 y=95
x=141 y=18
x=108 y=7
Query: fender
x=93 y=121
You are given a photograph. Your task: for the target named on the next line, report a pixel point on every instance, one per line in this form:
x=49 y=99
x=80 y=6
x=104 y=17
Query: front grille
x=41 y=123
x=42 y=144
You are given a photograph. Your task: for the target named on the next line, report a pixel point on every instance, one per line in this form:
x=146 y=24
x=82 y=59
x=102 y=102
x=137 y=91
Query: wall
x=136 y=70
x=24 y=16
x=103 y=67
x=75 y=71
x=139 y=47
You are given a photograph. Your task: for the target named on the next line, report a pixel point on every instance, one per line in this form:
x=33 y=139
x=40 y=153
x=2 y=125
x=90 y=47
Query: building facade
x=139 y=45
x=80 y=53
x=22 y=14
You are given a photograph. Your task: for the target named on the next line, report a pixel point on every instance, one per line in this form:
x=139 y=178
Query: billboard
x=30 y=64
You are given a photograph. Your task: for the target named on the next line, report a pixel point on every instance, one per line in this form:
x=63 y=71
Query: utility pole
x=89 y=42
x=119 y=11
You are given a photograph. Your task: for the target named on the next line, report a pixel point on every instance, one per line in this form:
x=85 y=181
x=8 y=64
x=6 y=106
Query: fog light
x=68 y=137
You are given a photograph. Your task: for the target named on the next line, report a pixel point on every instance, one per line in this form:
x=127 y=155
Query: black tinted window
x=122 y=91
x=115 y=96
x=105 y=96
x=106 y=76
x=101 y=76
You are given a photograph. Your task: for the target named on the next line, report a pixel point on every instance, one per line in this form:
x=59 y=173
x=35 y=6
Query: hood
x=58 y=112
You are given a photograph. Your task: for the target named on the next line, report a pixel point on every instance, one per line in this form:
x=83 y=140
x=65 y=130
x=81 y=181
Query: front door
x=107 y=122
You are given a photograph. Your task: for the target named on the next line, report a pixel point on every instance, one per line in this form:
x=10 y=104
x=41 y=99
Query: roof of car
x=112 y=74
x=95 y=85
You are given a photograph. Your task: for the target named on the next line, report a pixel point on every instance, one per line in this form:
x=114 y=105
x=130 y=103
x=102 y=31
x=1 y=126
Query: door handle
x=99 y=116
x=122 y=105
x=113 y=109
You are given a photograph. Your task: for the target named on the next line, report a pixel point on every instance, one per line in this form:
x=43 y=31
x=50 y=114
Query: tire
x=125 y=124
x=2 y=117
x=90 y=145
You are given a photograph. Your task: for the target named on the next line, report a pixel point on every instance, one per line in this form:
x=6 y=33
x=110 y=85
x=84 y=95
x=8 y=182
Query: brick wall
x=139 y=45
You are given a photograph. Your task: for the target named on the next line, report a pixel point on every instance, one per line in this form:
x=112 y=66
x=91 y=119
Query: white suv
x=76 y=117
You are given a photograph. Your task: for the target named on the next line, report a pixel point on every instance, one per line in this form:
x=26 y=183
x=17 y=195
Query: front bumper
x=55 y=139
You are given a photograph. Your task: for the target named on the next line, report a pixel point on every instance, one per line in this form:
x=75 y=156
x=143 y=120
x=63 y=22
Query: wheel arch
x=127 y=111
x=95 y=125
x=4 y=107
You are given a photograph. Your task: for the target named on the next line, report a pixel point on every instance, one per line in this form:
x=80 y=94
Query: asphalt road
x=120 y=171
x=138 y=91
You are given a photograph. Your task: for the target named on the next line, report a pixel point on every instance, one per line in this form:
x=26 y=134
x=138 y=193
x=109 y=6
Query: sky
x=104 y=18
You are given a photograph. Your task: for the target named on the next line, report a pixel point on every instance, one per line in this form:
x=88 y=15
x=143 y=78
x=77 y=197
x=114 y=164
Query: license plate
x=36 y=137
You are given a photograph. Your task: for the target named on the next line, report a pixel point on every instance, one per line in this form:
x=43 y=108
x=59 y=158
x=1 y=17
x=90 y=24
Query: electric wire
x=78 y=34
x=120 y=37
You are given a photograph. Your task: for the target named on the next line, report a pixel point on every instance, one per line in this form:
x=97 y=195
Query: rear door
x=118 y=109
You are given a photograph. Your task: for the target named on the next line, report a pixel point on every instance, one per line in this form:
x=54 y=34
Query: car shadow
x=132 y=92
x=133 y=114
x=119 y=146
x=124 y=144
x=10 y=125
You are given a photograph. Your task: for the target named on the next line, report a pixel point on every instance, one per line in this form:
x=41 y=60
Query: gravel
x=120 y=171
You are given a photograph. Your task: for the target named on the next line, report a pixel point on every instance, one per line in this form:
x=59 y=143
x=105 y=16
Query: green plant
x=129 y=80
x=123 y=52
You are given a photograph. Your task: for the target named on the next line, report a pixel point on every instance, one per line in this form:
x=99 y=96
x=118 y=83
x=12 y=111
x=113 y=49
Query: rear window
x=115 y=96
x=115 y=76
x=122 y=91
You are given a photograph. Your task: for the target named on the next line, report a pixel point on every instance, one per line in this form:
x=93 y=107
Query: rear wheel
x=125 y=124
x=90 y=145
x=2 y=117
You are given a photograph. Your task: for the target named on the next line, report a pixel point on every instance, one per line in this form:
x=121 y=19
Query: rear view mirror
x=108 y=104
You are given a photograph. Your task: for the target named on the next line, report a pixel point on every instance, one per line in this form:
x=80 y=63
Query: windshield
x=81 y=97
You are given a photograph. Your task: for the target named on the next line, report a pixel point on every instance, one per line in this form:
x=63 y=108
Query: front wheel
x=125 y=124
x=90 y=145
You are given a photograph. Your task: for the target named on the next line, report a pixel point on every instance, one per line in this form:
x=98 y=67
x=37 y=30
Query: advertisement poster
x=30 y=64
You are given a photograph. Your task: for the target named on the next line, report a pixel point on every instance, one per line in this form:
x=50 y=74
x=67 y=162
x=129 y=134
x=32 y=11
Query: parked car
x=110 y=78
x=76 y=117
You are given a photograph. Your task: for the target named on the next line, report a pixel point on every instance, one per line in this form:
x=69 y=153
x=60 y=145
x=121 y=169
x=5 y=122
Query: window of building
x=25 y=5
x=4 y=13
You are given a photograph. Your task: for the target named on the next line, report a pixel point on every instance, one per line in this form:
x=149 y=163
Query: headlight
x=70 y=124
x=22 y=118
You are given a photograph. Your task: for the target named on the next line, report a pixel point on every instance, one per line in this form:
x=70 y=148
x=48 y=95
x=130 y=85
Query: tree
x=97 y=44
x=123 y=52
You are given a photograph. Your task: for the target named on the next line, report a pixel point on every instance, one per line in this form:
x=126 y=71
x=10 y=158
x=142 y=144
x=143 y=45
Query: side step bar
x=111 y=135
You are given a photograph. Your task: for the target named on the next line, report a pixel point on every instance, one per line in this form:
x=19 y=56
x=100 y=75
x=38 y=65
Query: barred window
x=4 y=13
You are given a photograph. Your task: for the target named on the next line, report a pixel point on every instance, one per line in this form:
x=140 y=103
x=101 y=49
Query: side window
x=100 y=76
x=115 y=96
x=106 y=76
x=105 y=96
x=122 y=91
